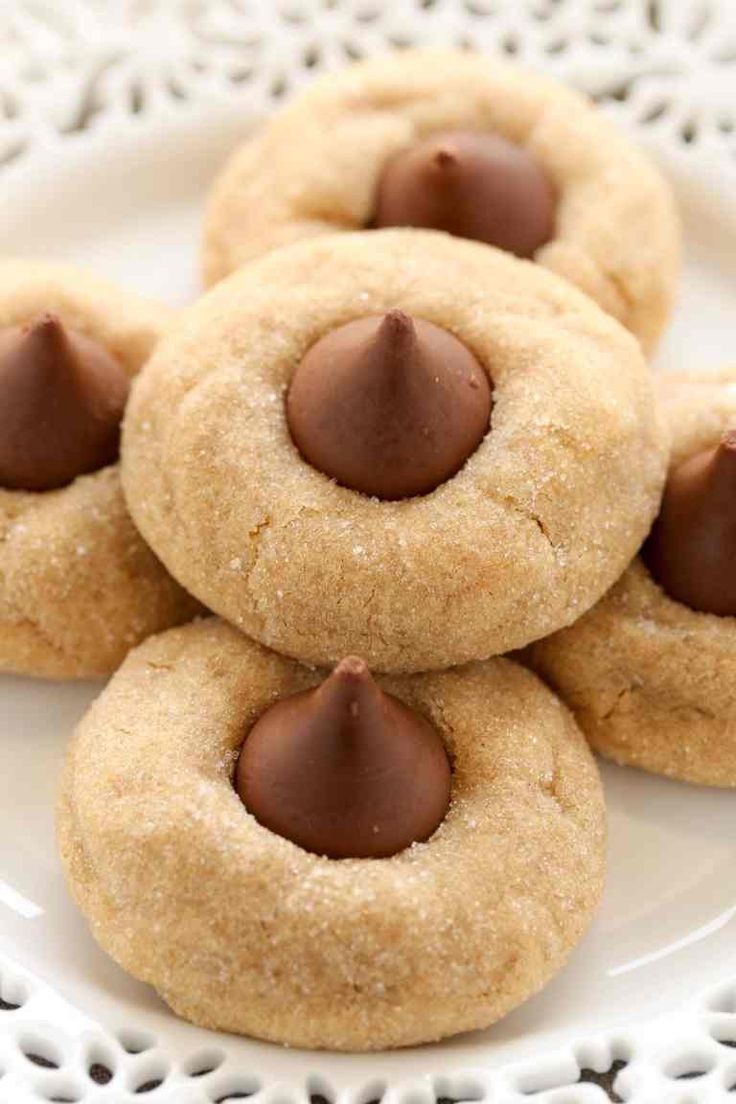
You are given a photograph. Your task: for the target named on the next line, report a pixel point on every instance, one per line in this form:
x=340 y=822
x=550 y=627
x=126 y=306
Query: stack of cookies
x=410 y=430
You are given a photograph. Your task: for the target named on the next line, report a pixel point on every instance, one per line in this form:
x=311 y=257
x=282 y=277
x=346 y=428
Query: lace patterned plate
x=113 y=117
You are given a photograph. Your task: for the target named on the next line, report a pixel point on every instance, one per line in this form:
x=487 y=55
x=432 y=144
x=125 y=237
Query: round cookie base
x=651 y=682
x=642 y=693
x=445 y=937
x=314 y=170
x=78 y=585
x=538 y=523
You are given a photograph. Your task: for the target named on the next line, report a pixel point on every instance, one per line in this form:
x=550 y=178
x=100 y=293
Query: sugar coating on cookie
x=241 y=930
x=78 y=586
x=652 y=681
x=534 y=527
x=320 y=166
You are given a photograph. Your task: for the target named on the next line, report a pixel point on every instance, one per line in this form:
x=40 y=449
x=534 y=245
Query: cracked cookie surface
x=652 y=682
x=276 y=942
x=314 y=169
x=78 y=585
x=536 y=525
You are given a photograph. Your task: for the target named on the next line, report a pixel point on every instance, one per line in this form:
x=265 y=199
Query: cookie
x=537 y=523
x=650 y=671
x=78 y=586
x=469 y=144
x=281 y=943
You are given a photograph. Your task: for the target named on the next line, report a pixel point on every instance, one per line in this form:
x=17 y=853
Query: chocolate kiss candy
x=345 y=770
x=389 y=405
x=691 y=551
x=62 y=398
x=472 y=185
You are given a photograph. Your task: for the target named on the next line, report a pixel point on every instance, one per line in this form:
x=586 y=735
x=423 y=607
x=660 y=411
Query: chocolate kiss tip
x=343 y=691
x=723 y=463
x=396 y=326
x=446 y=158
x=45 y=323
x=47 y=330
x=721 y=466
x=394 y=341
x=352 y=667
x=47 y=342
x=728 y=443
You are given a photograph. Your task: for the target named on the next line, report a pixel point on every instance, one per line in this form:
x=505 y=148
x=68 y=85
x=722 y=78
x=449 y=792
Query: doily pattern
x=686 y=1058
x=667 y=69
x=665 y=66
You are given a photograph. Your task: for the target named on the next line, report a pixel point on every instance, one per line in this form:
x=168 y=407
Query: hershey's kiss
x=62 y=398
x=345 y=770
x=472 y=185
x=691 y=551
x=388 y=405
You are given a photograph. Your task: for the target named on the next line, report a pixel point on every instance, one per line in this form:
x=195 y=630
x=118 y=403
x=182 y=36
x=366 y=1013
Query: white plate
x=127 y=201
